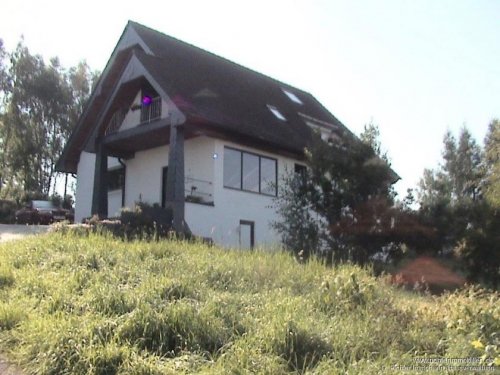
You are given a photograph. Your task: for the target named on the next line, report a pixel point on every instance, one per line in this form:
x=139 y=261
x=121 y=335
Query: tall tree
x=452 y=201
x=454 y=185
x=41 y=104
x=492 y=164
x=81 y=80
x=339 y=202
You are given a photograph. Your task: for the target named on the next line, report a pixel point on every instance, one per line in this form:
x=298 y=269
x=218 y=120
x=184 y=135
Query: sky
x=414 y=68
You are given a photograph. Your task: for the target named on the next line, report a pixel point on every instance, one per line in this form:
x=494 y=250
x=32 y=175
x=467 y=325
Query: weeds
x=93 y=304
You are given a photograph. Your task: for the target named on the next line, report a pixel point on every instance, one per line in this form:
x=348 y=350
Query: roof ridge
x=281 y=83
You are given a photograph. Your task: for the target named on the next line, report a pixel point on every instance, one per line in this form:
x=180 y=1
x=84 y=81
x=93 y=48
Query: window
x=268 y=176
x=300 y=169
x=232 y=168
x=249 y=172
x=116 y=179
x=292 y=96
x=275 y=111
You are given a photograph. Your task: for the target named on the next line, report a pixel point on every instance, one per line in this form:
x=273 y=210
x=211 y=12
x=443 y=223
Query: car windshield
x=43 y=205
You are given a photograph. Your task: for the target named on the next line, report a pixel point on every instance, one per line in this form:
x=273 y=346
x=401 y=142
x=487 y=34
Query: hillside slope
x=97 y=305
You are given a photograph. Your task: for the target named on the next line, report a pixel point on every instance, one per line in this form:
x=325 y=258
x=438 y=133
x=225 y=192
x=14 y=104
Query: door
x=247 y=234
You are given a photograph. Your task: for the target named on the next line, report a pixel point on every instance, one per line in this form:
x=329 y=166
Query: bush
x=146 y=221
x=8 y=210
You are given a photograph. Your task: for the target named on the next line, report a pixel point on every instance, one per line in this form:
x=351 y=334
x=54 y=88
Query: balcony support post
x=175 y=177
x=100 y=192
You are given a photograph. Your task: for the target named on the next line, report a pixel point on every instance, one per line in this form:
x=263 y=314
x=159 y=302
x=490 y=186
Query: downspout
x=124 y=180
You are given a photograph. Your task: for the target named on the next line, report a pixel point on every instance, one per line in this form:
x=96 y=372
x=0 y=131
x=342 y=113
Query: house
x=172 y=124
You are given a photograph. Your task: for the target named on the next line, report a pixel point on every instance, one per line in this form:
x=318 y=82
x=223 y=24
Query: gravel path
x=10 y=232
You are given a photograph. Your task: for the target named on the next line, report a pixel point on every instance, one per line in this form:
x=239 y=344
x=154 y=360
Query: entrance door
x=164 y=174
x=247 y=234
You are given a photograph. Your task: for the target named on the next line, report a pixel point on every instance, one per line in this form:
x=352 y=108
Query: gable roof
x=213 y=92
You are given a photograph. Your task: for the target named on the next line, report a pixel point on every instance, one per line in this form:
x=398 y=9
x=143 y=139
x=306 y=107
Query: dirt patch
x=428 y=272
x=7 y=368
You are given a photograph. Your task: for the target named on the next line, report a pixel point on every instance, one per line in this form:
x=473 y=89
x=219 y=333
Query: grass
x=73 y=304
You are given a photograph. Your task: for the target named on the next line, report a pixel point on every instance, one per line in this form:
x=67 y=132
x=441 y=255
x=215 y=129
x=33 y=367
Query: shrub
x=8 y=211
x=145 y=221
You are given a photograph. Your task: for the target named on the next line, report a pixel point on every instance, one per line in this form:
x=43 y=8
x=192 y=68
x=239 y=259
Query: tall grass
x=92 y=304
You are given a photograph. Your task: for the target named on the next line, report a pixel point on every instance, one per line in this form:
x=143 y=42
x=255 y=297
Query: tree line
x=40 y=103
x=343 y=206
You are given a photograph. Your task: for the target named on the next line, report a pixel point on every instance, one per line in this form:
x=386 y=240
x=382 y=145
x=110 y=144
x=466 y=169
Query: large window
x=250 y=172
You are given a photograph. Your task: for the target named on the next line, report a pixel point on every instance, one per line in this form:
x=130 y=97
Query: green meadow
x=93 y=304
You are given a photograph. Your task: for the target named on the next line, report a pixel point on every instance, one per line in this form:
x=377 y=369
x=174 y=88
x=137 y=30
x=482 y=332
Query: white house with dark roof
x=172 y=124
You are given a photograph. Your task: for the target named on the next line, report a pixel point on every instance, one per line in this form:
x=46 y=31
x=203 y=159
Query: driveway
x=10 y=232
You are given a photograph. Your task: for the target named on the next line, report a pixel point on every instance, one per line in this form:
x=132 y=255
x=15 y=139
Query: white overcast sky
x=415 y=68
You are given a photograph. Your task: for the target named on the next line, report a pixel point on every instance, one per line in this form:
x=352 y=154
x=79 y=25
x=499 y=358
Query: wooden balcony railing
x=151 y=111
x=115 y=122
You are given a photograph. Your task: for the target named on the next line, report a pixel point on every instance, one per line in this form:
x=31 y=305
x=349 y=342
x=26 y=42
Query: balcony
x=199 y=191
x=150 y=109
x=115 y=122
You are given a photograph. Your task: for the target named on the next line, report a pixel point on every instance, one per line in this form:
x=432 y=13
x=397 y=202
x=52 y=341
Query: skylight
x=292 y=96
x=275 y=111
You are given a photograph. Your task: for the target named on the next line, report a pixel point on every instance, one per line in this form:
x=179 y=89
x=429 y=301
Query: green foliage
x=6 y=277
x=145 y=221
x=8 y=210
x=341 y=208
x=301 y=231
x=492 y=163
x=40 y=104
x=98 y=305
x=459 y=200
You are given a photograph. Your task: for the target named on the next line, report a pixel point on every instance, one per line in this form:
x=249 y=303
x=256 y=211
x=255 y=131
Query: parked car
x=42 y=212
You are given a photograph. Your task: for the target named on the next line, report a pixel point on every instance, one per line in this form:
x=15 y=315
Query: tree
x=458 y=200
x=338 y=206
x=492 y=164
x=301 y=230
x=81 y=80
x=41 y=104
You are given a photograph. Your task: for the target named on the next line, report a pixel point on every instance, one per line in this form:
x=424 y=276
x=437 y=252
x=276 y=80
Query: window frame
x=277 y=113
x=260 y=192
x=292 y=96
x=118 y=172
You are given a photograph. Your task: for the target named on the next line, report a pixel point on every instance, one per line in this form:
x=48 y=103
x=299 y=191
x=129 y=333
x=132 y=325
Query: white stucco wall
x=144 y=171
x=132 y=118
x=221 y=222
x=143 y=176
x=84 y=186
x=231 y=205
x=114 y=203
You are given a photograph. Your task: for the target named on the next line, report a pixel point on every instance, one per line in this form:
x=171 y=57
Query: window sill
x=210 y=204
x=251 y=192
